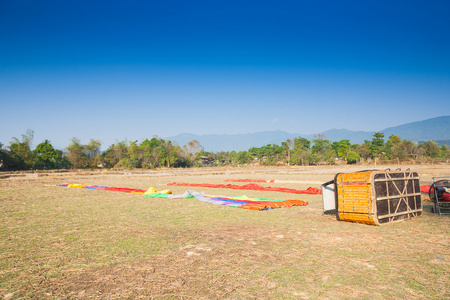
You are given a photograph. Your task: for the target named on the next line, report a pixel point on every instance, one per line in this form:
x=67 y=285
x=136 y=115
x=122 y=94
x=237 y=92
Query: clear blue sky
x=111 y=70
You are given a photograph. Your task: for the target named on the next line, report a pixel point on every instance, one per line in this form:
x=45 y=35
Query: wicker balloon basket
x=377 y=197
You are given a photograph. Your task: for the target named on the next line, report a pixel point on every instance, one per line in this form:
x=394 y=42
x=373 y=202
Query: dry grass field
x=81 y=244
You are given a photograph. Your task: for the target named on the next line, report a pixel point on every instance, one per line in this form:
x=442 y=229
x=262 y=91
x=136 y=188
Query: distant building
x=205 y=161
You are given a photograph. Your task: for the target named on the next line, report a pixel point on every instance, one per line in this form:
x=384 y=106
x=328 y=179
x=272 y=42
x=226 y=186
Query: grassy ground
x=77 y=243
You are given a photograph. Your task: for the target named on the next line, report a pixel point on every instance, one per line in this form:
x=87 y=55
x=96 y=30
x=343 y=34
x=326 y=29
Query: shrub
x=352 y=157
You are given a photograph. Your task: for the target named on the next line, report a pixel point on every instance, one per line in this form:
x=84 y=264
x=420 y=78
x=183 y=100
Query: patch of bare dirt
x=213 y=264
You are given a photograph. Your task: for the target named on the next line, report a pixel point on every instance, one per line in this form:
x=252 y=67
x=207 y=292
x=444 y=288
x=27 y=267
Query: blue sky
x=111 y=70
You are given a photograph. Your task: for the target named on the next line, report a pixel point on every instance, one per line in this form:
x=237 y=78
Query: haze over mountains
x=435 y=129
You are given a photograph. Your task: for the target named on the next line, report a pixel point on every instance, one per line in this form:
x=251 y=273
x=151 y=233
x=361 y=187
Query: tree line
x=157 y=152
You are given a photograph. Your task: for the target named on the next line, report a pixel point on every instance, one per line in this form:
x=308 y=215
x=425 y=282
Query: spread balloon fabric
x=239 y=201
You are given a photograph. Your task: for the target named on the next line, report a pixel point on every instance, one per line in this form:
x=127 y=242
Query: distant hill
x=428 y=130
x=355 y=137
x=435 y=129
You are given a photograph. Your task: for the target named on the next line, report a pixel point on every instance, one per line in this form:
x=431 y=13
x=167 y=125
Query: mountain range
x=435 y=129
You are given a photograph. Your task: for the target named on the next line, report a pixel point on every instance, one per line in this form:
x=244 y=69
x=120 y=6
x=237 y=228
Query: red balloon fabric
x=251 y=186
x=425 y=188
x=125 y=190
x=250 y=180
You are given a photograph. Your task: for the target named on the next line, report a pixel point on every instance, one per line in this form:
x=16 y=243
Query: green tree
x=76 y=154
x=301 y=152
x=377 y=144
x=364 y=150
x=255 y=153
x=182 y=160
x=155 y=158
x=319 y=146
x=329 y=155
x=22 y=157
x=409 y=149
x=150 y=158
x=147 y=147
x=301 y=143
x=444 y=151
x=322 y=151
x=352 y=157
x=393 y=147
x=47 y=157
x=6 y=161
x=341 y=148
x=243 y=157
x=271 y=154
x=115 y=153
x=151 y=144
x=149 y=154
x=169 y=153
x=431 y=149
x=93 y=153
x=232 y=157
x=132 y=158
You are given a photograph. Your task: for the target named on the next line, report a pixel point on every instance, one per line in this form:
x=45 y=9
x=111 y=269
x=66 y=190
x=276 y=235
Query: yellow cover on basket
x=355 y=197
